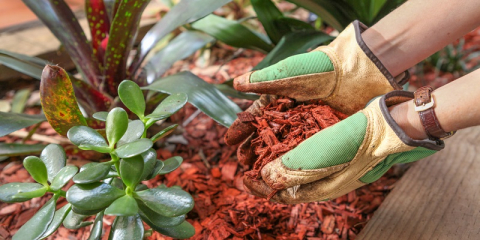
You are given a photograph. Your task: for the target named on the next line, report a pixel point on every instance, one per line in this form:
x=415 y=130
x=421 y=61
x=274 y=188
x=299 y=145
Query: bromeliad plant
x=112 y=187
x=103 y=62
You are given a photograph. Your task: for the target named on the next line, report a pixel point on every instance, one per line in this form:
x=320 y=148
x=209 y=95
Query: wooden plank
x=437 y=198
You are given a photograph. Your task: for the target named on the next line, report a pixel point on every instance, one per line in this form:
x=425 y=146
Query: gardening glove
x=343 y=157
x=345 y=75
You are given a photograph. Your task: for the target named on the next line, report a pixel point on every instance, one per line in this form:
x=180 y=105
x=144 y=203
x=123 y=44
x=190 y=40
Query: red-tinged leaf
x=120 y=41
x=90 y=98
x=99 y=25
x=61 y=21
x=58 y=100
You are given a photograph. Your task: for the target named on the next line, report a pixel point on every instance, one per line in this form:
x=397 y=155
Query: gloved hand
x=345 y=74
x=343 y=157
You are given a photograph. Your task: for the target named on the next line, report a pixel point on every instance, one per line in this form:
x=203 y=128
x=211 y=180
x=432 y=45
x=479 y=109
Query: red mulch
x=283 y=125
x=212 y=174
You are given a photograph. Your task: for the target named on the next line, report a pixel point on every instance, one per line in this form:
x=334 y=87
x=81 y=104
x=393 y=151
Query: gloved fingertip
x=238 y=132
x=242 y=83
x=256 y=187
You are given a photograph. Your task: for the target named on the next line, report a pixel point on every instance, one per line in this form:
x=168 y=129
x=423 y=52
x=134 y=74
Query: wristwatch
x=424 y=105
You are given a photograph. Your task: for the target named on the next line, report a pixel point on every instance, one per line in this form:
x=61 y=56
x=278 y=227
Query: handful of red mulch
x=285 y=124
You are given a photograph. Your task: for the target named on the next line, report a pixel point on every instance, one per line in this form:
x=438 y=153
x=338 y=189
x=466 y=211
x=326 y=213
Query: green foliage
x=111 y=187
x=102 y=62
x=340 y=13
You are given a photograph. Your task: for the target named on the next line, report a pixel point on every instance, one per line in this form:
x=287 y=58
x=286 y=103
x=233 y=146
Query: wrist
x=407 y=118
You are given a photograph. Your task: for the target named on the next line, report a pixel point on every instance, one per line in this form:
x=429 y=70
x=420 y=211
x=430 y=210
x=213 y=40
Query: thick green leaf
x=38 y=224
x=7 y=191
x=326 y=10
x=96 y=232
x=60 y=19
x=134 y=132
x=158 y=166
x=18 y=149
x=157 y=219
x=232 y=33
x=74 y=220
x=202 y=95
x=20 y=100
x=182 y=231
x=116 y=125
x=86 y=136
x=132 y=96
x=54 y=158
x=124 y=206
x=167 y=107
x=169 y=202
x=120 y=42
x=99 y=24
x=267 y=12
x=58 y=218
x=93 y=196
x=11 y=122
x=293 y=43
x=37 y=169
x=29 y=195
x=182 y=13
x=131 y=170
x=164 y=132
x=86 y=212
x=181 y=47
x=58 y=100
x=170 y=165
x=93 y=173
x=63 y=176
x=141 y=187
x=102 y=116
x=134 y=148
x=126 y=228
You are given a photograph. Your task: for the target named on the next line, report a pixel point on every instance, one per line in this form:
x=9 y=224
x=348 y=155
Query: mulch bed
x=212 y=174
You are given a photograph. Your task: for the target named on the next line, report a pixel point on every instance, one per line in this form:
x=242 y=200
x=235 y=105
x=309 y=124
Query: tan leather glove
x=356 y=151
x=345 y=74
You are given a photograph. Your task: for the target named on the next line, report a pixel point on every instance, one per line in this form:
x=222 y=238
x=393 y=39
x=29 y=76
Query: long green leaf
x=179 y=48
x=18 y=149
x=11 y=122
x=182 y=13
x=291 y=44
x=202 y=95
x=181 y=231
x=326 y=10
x=93 y=196
x=26 y=68
x=99 y=24
x=232 y=33
x=58 y=100
x=9 y=190
x=120 y=42
x=267 y=13
x=25 y=58
x=169 y=202
x=60 y=19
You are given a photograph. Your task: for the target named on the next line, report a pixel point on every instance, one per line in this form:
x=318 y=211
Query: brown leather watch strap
x=424 y=103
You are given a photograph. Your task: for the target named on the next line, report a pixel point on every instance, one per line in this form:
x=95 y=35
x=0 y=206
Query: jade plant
x=113 y=187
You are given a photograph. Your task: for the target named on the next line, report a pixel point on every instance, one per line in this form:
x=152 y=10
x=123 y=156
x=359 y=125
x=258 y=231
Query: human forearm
x=456 y=107
x=418 y=29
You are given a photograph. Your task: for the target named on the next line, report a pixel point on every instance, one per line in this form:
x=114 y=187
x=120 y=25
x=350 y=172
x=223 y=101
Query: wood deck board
x=437 y=198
